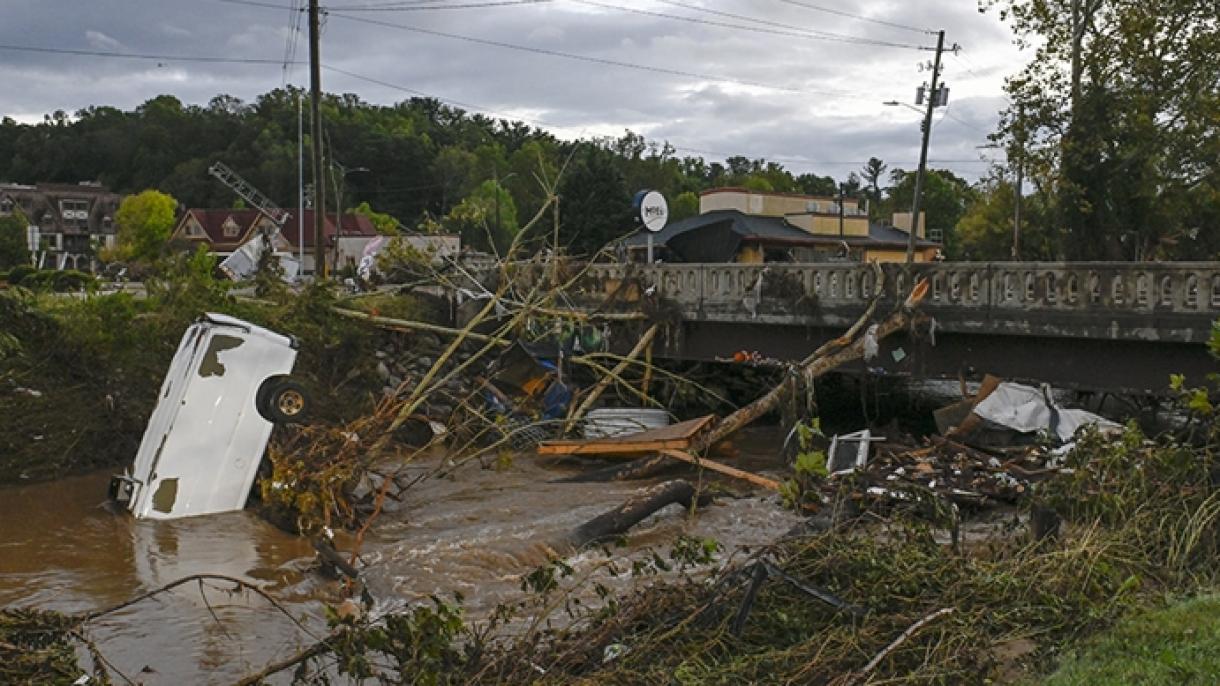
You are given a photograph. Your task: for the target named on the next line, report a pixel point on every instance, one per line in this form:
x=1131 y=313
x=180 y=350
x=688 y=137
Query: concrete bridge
x=1122 y=327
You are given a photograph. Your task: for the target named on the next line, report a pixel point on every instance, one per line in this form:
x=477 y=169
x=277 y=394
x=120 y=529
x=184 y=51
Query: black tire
x=282 y=401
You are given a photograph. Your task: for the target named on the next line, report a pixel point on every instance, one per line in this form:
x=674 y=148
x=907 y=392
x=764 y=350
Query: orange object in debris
x=740 y=356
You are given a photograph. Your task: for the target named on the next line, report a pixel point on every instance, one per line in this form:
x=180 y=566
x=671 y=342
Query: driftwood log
x=636 y=508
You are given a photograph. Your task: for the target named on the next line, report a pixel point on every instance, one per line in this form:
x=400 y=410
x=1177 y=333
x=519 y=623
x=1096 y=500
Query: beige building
x=836 y=229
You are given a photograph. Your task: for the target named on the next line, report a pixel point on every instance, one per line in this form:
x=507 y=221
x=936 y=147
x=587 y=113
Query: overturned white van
x=200 y=453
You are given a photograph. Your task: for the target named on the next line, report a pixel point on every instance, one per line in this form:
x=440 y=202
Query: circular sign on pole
x=651 y=209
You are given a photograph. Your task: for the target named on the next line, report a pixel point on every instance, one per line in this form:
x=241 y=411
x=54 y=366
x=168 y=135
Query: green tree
x=985 y=231
x=1121 y=104
x=476 y=220
x=944 y=200
x=14 y=249
x=145 y=222
x=384 y=223
x=872 y=171
x=595 y=203
x=683 y=206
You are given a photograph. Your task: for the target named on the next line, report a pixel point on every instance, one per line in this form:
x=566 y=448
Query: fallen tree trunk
x=634 y=510
x=409 y=326
x=811 y=368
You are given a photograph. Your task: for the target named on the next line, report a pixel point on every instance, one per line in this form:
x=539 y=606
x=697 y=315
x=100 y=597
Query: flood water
x=476 y=532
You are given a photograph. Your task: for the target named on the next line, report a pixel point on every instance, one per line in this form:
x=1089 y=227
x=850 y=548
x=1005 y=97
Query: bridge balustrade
x=1135 y=300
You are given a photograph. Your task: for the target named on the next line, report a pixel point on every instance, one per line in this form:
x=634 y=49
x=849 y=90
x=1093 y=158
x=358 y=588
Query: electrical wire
x=858 y=17
x=541 y=124
x=584 y=58
x=455 y=6
x=782 y=30
x=863 y=40
x=139 y=55
x=290 y=41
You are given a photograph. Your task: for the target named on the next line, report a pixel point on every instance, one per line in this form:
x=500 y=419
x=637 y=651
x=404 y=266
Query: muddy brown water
x=476 y=532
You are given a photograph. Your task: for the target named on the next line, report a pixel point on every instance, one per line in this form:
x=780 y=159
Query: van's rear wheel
x=282 y=400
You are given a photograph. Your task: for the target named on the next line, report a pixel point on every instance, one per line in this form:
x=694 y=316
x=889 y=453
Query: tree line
x=417 y=165
x=1114 y=123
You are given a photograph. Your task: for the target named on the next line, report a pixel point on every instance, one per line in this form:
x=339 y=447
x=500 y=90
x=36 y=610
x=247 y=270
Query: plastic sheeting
x=1028 y=410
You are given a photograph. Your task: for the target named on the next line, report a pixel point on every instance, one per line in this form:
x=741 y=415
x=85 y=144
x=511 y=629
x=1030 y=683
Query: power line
x=139 y=55
x=858 y=17
x=864 y=40
x=584 y=58
x=290 y=41
x=536 y=122
x=783 y=30
x=456 y=6
x=255 y=3
x=540 y=124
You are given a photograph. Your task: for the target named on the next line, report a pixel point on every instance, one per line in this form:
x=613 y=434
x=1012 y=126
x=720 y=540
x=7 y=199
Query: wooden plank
x=673 y=437
x=598 y=447
x=723 y=469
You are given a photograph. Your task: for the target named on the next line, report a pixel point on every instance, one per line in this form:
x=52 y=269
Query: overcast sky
x=804 y=88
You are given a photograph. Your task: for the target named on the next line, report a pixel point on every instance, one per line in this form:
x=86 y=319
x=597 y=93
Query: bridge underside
x=1130 y=367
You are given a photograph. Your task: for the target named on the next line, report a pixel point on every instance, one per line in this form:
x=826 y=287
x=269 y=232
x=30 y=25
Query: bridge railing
x=1186 y=288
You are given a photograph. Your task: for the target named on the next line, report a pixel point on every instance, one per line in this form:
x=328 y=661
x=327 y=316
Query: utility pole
x=1020 y=152
x=300 y=189
x=933 y=95
x=840 y=209
x=319 y=183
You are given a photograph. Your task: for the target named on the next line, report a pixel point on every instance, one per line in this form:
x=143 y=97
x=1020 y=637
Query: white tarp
x=1027 y=409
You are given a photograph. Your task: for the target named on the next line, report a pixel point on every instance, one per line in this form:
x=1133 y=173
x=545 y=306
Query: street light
x=339 y=190
x=934 y=97
x=919 y=175
x=895 y=103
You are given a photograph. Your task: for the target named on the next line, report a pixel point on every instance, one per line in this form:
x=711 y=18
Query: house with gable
x=66 y=223
x=223 y=231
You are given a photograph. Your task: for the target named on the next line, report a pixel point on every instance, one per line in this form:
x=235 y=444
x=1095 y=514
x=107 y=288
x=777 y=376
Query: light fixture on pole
x=936 y=96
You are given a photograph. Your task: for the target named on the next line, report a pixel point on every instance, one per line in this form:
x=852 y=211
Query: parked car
x=227 y=386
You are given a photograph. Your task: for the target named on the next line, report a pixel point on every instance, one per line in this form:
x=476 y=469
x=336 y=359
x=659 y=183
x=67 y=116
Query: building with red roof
x=225 y=230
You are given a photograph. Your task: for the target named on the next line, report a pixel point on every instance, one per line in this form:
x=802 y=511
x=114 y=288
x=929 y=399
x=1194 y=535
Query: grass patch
x=1179 y=644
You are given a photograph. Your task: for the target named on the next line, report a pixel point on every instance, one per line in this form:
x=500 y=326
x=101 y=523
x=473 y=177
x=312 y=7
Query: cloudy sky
x=782 y=79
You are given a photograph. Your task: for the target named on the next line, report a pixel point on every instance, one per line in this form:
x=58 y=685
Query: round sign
x=652 y=210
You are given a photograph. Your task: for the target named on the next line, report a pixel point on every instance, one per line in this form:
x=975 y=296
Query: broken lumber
x=675 y=436
x=723 y=469
x=604 y=382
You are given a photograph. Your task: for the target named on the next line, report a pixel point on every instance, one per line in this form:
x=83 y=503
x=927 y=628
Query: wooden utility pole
x=932 y=95
x=840 y=210
x=315 y=128
x=1020 y=152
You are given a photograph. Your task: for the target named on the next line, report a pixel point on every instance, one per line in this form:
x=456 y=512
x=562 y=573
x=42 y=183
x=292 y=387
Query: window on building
x=230 y=228
x=6 y=205
x=74 y=212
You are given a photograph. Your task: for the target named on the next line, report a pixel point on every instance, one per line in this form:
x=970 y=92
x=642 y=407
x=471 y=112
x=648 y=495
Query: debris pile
x=992 y=446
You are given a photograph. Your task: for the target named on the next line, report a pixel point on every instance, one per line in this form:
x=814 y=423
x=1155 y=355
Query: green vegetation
x=145 y=222
x=1115 y=119
x=79 y=376
x=13 y=248
x=1178 y=644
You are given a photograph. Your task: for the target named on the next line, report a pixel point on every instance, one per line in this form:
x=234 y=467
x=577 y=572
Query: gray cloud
x=831 y=125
